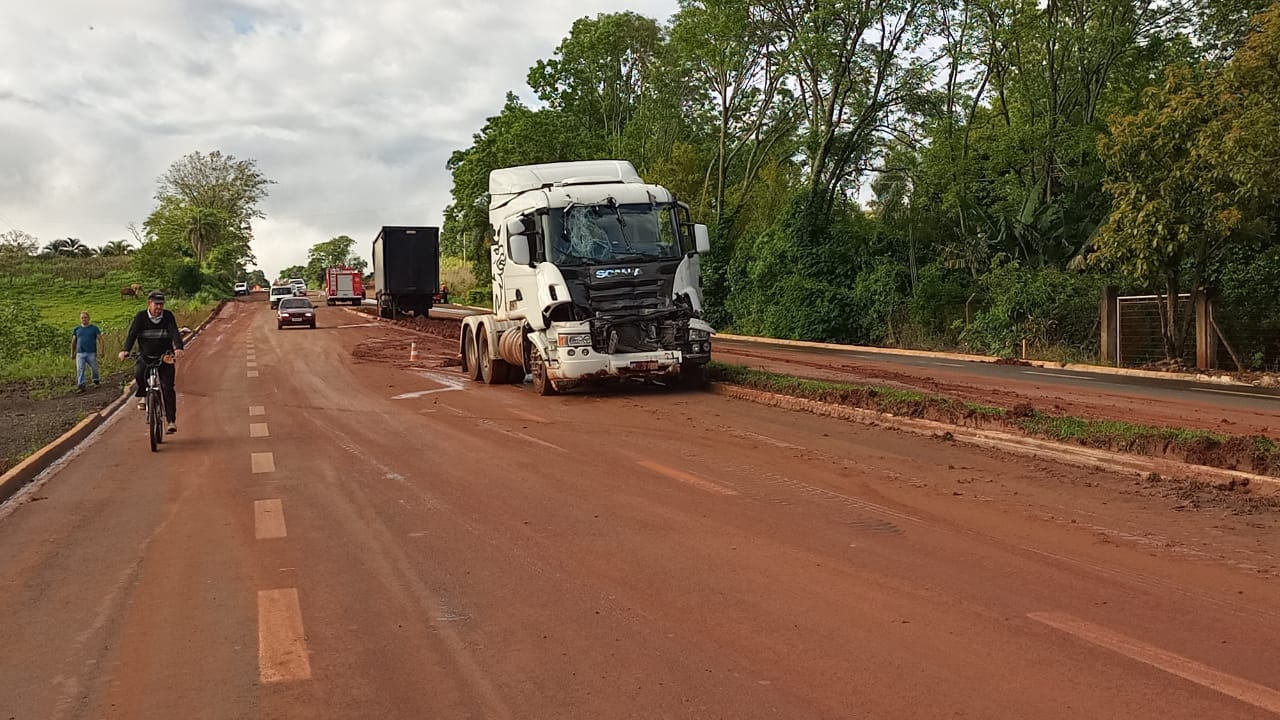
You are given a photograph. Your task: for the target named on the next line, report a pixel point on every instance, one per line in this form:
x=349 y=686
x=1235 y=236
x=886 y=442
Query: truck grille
x=638 y=336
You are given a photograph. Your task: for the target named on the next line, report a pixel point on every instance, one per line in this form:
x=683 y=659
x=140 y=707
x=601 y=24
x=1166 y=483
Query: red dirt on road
x=450 y=549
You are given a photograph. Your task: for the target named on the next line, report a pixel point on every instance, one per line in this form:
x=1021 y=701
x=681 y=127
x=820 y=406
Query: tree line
x=931 y=173
x=196 y=239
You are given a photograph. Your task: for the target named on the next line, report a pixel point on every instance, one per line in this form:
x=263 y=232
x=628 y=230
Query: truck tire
x=470 y=361
x=541 y=383
x=693 y=377
x=492 y=370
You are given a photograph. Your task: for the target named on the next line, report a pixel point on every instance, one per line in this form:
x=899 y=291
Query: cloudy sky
x=351 y=107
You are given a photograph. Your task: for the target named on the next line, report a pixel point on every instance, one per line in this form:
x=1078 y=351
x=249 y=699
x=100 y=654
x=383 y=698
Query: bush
x=24 y=332
x=878 y=294
x=939 y=302
x=207 y=296
x=478 y=297
x=1047 y=307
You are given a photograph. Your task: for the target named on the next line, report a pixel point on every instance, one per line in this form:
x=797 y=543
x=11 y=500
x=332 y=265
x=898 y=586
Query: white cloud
x=352 y=108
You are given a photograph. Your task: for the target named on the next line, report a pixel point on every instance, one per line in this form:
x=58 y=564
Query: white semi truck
x=595 y=276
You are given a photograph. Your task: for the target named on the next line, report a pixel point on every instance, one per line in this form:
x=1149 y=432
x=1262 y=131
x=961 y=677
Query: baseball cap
x=156 y=296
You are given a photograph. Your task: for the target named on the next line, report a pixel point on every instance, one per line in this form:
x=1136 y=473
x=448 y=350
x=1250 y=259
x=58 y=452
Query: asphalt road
x=337 y=532
x=1244 y=397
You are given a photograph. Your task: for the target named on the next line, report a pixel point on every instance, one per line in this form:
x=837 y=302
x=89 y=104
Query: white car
x=241 y=288
x=278 y=293
x=299 y=286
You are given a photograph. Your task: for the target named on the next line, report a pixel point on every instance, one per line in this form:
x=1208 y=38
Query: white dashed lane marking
x=268 y=519
x=282 y=641
x=263 y=462
x=258 y=430
x=255 y=410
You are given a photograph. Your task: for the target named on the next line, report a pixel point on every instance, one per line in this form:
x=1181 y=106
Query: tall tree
x=335 y=251
x=731 y=53
x=856 y=65
x=207 y=203
x=217 y=182
x=1194 y=172
x=600 y=73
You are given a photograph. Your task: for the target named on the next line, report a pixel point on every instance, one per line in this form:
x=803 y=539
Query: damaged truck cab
x=595 y=275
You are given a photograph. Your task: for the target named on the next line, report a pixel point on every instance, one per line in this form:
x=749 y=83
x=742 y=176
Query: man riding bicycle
x=156 y=332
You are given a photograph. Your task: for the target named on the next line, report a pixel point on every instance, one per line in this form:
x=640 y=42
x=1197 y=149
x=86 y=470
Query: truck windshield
x=610 y=233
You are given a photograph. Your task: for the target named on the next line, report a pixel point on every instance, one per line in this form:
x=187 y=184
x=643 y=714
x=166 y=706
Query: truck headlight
x=695 y=334
x=574 y=340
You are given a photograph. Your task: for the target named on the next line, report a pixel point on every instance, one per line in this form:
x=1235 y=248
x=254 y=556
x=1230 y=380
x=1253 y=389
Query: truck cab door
x=515 y=273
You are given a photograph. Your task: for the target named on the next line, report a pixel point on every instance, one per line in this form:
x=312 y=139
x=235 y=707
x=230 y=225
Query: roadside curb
x=1088 y=458
x=963 y=357
x=24 y=472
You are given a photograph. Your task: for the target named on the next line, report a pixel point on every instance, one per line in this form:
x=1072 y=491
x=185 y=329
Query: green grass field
x=59 y=290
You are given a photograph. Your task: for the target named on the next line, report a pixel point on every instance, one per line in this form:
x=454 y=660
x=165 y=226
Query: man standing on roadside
x=86 y=341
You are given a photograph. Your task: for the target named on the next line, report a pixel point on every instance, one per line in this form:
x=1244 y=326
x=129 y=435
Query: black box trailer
x=406 y=269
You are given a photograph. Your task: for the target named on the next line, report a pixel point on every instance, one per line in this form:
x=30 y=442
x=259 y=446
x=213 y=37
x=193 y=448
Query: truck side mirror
x=701 y=238
x=516 y=226
x=518 y=249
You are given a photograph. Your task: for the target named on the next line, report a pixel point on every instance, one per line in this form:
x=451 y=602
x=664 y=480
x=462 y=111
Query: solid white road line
x=258 y=430
x=282 y=644
x=687 y=478
x=263 y=462
x=1186 y=668
x=1235 y=392
x=268 y=519
x=255 y=410
x=1057 y=375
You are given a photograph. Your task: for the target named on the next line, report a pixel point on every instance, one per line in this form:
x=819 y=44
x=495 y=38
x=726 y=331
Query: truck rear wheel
x=470 y=363
x=492 y=370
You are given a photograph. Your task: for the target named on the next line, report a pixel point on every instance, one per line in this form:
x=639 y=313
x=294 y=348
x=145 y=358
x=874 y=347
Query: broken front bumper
x=585 y=364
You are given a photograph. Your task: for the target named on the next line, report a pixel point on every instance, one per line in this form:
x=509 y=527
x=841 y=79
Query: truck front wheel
x=693 y=377
x=541 y=383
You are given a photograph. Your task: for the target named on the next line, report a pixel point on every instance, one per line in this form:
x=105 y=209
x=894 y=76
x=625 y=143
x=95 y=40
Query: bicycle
x=154 y=399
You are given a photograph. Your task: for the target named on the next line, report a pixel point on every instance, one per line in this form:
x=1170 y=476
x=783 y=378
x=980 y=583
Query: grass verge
x=1256 y=454
x=55 y=368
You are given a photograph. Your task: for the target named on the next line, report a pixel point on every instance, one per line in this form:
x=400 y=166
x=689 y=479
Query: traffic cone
x=413 y=352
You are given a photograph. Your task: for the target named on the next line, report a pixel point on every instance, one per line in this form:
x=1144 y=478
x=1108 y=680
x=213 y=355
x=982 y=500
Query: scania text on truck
x=343 y=285
x=406 y=269
x=595 y=275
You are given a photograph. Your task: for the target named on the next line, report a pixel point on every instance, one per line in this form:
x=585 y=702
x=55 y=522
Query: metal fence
x=1140 y=339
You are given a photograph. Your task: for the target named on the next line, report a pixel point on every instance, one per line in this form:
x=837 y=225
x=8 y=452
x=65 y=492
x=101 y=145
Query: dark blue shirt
x=86 y=338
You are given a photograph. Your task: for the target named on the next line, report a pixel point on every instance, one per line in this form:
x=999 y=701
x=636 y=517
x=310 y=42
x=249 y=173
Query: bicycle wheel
x=153 y=421
x=159 y=418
